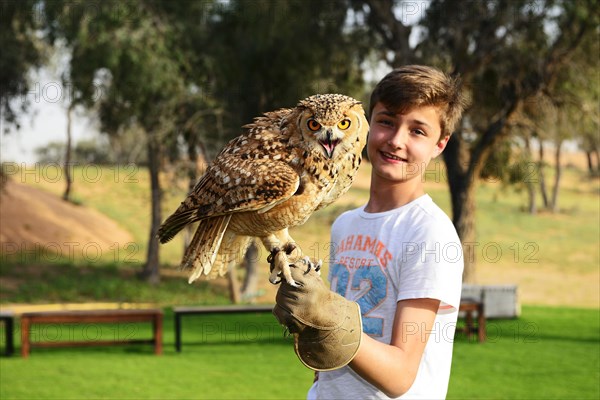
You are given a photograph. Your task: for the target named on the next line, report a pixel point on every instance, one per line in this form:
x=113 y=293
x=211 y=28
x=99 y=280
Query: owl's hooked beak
x=329 y=143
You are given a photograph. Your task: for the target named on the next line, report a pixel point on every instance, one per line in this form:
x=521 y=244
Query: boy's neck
x=388 y=196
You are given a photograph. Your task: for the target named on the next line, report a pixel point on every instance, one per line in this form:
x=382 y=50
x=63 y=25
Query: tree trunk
x=463 y=216
x=151 y=271
x=235 y=294
x=593 y=168
x=557 y=176
x=251 y=280
x=462 y=196
x=543 y=190
x=69 y=179
x=590 y=162
x=529 y=181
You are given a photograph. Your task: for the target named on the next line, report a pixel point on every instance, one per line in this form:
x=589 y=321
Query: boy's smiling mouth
x=391 y=157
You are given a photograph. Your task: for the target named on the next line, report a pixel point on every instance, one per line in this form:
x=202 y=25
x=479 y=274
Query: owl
x=286 y=165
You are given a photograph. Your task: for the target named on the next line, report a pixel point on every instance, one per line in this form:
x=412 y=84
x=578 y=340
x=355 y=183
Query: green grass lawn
x=548 y=353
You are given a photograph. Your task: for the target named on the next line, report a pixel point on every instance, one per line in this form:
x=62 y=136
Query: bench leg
x=469 y=328
x=157 y=327
x=481 y=323
x=25 y=326
x=178 y=333
x=8 y=336
x=10 y=341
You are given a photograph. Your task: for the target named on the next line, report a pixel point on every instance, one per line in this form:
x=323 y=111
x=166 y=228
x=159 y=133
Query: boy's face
x=400 y=146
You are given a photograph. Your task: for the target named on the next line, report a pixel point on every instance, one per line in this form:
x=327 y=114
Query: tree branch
x=393 y=32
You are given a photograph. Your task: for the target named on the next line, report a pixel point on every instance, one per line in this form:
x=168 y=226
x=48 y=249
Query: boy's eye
x=313 y=125
x=419 y=132
x=385 y=122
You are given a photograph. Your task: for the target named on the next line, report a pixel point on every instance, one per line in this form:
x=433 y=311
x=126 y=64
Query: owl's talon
x=289 y=247
x=271 y=258
x=310 y=265
x=319 y=265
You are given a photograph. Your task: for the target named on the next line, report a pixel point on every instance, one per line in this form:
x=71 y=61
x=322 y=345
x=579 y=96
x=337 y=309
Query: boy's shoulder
x=429 y=209
x=427 y=213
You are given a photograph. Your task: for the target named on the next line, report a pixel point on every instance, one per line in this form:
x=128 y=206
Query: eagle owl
x=286 y=165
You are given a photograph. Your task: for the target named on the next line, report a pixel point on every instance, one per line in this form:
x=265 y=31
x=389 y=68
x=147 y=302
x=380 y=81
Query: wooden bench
x=8 y=318
x=469 y=307
x=154 y=316
x=179 y=312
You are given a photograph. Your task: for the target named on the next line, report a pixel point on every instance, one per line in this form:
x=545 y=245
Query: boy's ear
x=441 y=145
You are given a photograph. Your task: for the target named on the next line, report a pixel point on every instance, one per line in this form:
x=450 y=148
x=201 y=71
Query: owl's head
x=337 y=123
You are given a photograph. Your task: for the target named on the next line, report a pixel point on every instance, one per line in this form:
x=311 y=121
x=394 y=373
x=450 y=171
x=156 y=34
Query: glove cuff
x=332 y=349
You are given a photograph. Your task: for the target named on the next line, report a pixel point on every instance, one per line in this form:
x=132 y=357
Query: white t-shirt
x=378 y=259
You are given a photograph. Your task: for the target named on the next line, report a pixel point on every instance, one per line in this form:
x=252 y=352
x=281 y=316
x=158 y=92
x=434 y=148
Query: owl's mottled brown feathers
x=270 y=178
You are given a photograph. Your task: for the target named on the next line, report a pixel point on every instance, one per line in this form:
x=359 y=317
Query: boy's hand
x=327 y=328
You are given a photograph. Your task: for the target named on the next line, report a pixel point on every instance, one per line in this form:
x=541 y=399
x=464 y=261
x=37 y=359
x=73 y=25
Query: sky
x=45 y=120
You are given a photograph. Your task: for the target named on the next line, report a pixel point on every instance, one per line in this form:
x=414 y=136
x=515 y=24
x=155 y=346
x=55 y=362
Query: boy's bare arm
x=328 y=333
x=392 y=368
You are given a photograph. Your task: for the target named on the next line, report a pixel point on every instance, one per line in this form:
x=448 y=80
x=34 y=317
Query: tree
x=21 y=51
x=506 y=51
x=171 y=69
x=273 y=53
x=566 y=109
x=585 y=82
x=131 y=54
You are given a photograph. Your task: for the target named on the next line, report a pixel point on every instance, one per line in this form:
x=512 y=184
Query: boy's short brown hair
x=418 y=85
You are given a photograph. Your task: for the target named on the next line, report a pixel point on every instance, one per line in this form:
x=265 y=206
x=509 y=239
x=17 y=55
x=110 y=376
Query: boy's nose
x=398 y=139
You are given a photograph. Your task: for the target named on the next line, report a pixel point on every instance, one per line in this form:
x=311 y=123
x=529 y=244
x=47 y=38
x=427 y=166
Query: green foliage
x=89 y=151
x=273 y=53
x=246 y=356
x=21 y=51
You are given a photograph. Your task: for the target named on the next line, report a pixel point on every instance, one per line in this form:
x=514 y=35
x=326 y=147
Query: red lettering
x=369 y=244
x=380 y=247
x=386 y=258
x=358 y=242
x=348 y=242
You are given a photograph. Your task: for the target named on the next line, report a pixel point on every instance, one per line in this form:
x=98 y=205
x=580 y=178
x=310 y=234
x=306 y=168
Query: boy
x=398 y=257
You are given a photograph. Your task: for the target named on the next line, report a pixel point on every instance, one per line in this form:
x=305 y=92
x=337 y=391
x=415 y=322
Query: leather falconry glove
x=327 y=328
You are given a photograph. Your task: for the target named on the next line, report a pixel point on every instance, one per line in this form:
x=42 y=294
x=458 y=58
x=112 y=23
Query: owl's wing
x=233 y=184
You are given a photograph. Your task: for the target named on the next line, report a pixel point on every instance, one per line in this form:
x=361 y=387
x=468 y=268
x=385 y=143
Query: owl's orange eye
x=344 y=124
x=313 y=125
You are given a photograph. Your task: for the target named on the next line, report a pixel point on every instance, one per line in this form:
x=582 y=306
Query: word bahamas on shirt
x=378 y=259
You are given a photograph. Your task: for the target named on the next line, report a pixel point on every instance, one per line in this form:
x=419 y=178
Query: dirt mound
x=33 y=221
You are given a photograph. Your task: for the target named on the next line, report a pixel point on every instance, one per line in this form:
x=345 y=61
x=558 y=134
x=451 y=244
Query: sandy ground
x=34 y=220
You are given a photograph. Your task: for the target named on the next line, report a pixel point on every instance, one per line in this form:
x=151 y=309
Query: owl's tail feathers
x=231 y=253
x=202 y=250
x=175 y=223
